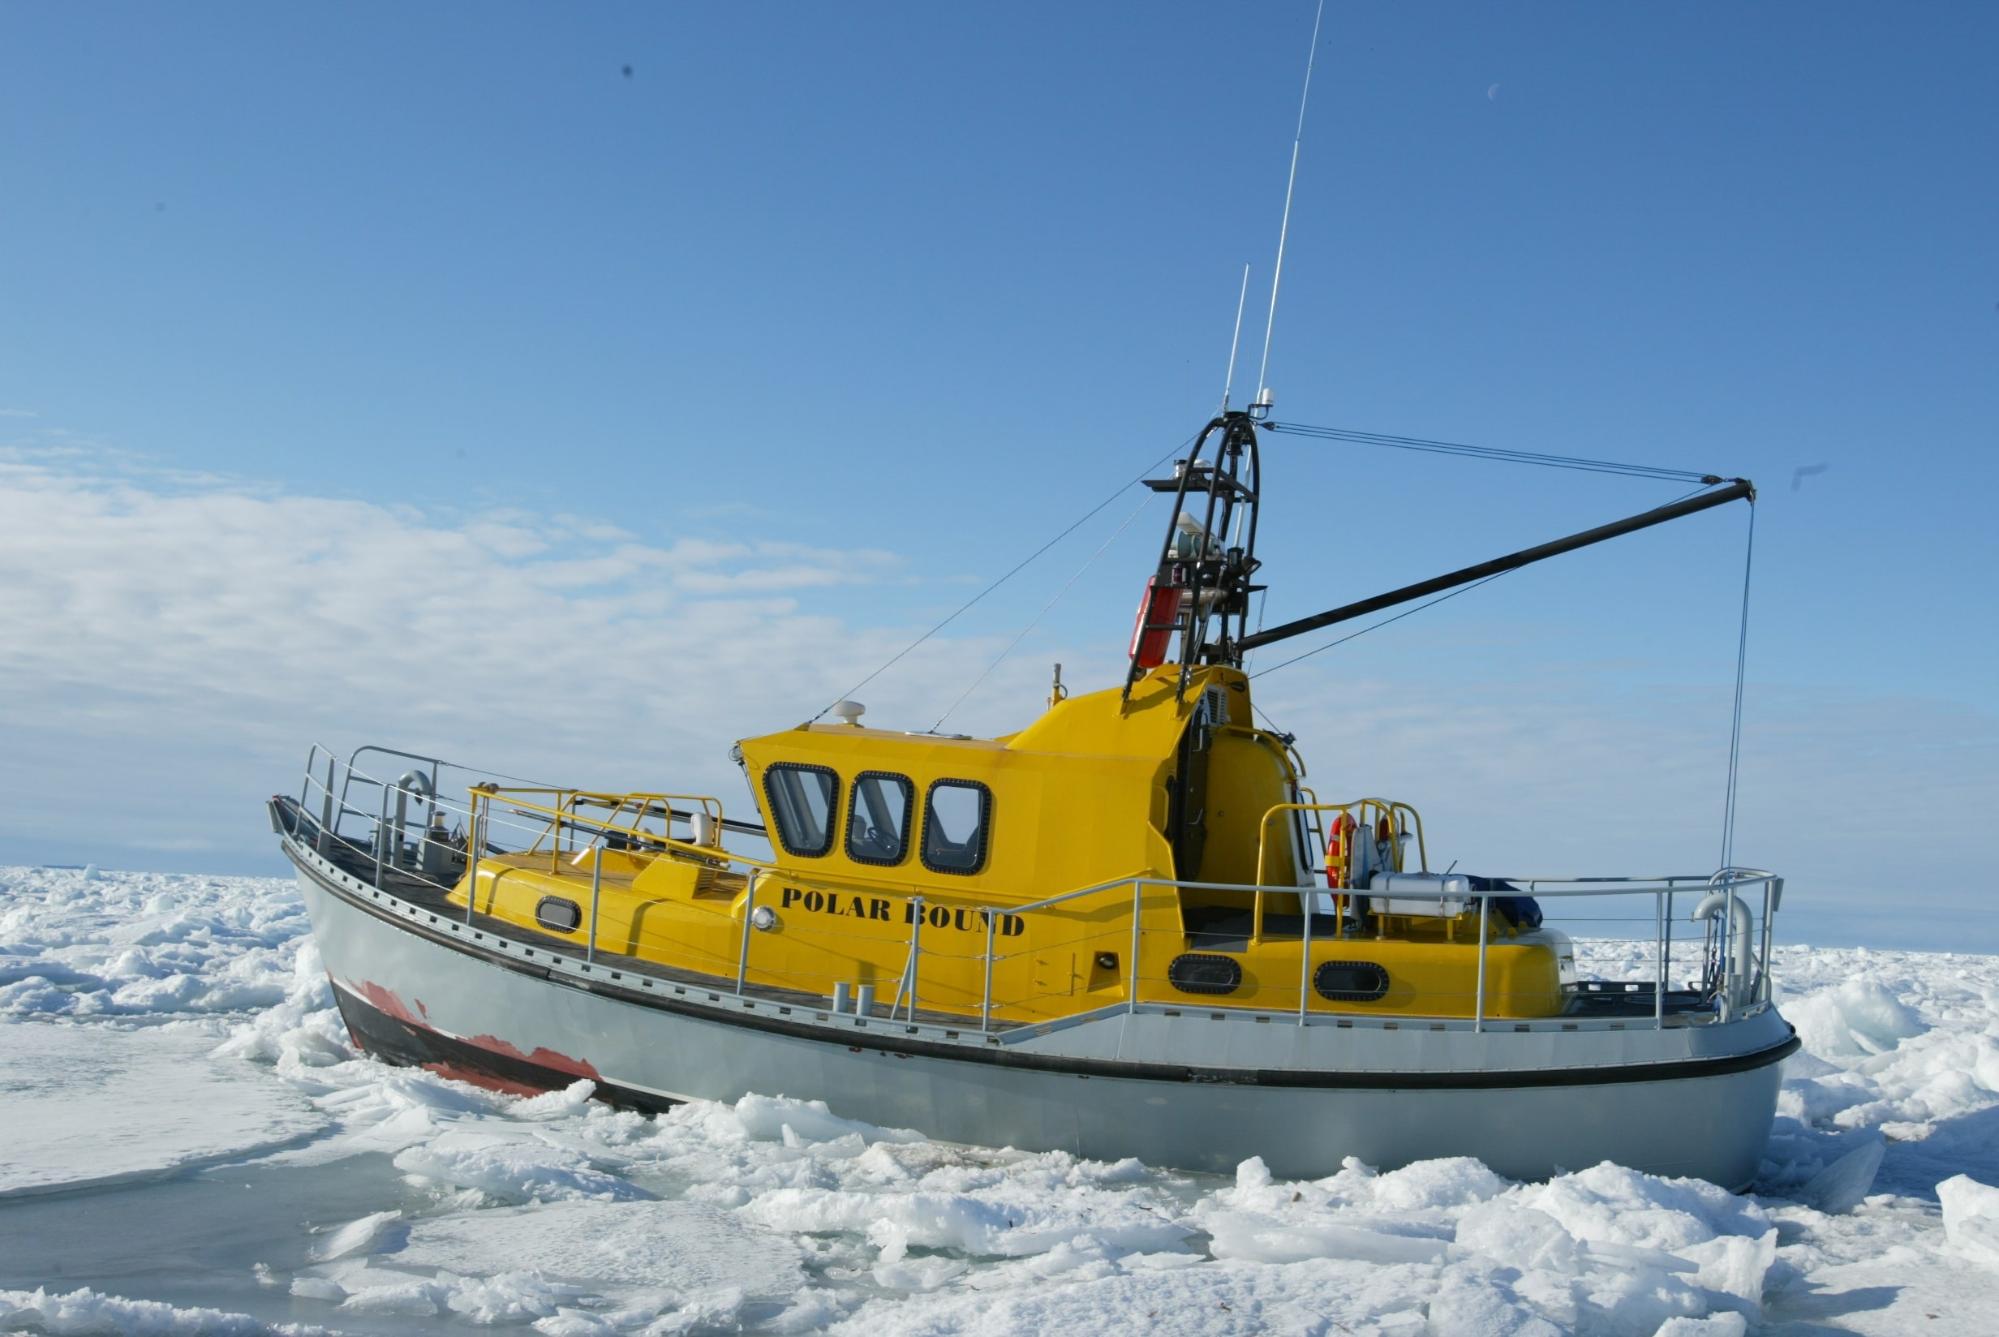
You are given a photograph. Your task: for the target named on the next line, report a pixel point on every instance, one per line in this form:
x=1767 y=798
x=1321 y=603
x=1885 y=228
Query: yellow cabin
x=1168 y=803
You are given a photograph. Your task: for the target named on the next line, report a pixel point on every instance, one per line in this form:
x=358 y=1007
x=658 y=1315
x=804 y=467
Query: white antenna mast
x=1235 y=340
x=1261 y=408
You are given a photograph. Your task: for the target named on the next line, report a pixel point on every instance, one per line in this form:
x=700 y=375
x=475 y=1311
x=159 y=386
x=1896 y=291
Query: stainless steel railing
x=1735 y=970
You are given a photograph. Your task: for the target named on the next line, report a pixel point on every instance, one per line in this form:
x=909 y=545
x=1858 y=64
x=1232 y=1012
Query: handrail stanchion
x=1659 y=961
x=1484 y=920
x=915 y=954
x=325 y=810
x=1306 y=895
x=1666 y=957
x=1131 y=993
x=986 y=996
x=1773 y=891
x=743 y=947
x=382 y=834
x=473 y=839
x=596 y=890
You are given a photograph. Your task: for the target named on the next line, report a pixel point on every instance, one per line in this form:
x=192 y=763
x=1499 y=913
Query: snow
x=194 y=1146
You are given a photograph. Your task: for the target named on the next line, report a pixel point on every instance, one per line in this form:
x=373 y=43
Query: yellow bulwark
x=1149 y=849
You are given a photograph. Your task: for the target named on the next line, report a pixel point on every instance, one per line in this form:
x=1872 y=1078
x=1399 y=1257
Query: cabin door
x=1187 y=813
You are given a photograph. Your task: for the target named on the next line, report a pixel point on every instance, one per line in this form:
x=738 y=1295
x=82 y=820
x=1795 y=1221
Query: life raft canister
x=1158 y=619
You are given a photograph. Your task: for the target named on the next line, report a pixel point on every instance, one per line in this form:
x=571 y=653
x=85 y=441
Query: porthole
x=558 y=914
x=1350 y=981
x=1204 y=972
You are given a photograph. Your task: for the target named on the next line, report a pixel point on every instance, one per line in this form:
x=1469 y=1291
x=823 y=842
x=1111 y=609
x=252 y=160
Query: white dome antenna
x=850 y=712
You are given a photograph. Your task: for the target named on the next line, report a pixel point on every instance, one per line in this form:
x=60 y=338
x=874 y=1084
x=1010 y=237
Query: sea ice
x=679 y=1246
x=778 y=1214
x=86 y=1104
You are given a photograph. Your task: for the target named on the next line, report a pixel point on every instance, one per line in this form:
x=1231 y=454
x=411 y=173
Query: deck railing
x=1732 y=950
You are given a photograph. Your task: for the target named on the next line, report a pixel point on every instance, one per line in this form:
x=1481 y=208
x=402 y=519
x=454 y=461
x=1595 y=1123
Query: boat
x=1131 y=928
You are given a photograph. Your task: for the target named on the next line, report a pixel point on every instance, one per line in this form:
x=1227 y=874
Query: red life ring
x=1339 y=851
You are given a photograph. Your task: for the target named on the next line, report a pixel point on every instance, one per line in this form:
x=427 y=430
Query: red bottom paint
x=389 y=1004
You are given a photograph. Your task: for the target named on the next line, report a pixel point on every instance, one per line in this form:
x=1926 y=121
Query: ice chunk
x=1714 y=1325
x=1610 y=1204
x=679 y=1245
x=1520 y=1237
x=1450 y=1182
x=1858 y=1017
x=88 y=1311
x=1466 y=1304
x=1844 y=1184
x=355 y=1235
x=1971 y=1217
x=511 y=1168
x=318 y=1288
x=770 y=1117
x=1264 y=1240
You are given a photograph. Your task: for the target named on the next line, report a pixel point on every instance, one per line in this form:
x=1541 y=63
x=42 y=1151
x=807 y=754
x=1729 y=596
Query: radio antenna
x=1260 y=409
x=1235 y=340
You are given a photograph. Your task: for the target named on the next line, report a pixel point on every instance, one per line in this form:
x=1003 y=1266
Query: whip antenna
x=1235 y=340
x=1261 y=408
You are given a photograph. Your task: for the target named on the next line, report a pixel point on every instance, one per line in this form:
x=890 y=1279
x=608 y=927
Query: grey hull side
x=544 y=1027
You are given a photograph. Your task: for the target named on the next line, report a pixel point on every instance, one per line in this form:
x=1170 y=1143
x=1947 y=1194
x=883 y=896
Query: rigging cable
x=1036 y=620
x=1015 y=570
x=1466 y=589
x=1735 y=725
x=1494 y=453
x=1376 y=626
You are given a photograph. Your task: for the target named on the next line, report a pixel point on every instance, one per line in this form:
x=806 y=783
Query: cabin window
x=802 y=803
x=957 y=817
x=878 y=817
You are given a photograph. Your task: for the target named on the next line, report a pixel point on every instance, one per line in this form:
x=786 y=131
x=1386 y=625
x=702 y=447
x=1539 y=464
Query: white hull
x=1189 y=1088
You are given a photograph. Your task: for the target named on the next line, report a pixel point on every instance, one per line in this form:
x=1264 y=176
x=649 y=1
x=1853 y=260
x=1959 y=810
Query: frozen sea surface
x=191 y=1146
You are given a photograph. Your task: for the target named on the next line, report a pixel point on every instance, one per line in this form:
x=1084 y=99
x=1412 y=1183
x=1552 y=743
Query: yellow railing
x=1371 y=811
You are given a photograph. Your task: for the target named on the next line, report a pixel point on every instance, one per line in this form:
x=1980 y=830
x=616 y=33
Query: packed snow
x=193 y=1146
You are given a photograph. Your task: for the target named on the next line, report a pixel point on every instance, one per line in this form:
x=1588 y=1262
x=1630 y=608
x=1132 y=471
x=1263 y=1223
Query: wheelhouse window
x=957 y=817
x=878 y=817
x=802 y=803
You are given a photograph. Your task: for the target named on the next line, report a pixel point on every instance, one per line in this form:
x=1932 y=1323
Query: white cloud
x=149 y=619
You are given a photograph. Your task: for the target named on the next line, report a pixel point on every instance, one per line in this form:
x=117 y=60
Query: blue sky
x=378 y=372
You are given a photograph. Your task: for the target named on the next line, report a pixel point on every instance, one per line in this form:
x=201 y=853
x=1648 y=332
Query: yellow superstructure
x=1149 y=846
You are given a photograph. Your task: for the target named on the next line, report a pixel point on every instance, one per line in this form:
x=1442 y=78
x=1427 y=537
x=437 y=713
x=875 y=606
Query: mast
x=1202 y=585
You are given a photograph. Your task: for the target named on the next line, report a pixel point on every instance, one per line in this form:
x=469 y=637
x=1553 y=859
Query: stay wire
x=1467 y=589
x=1735 y=724
x=1376 y=626
x=1013 y=571
x=1495 y=453
x=1036 y=620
